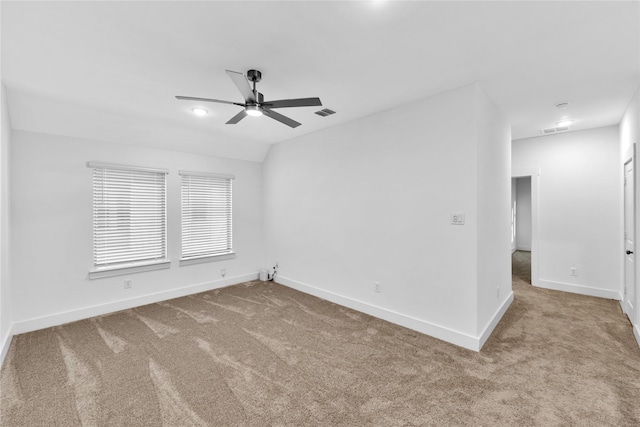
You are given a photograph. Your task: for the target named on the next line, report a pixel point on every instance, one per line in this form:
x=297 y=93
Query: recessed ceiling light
x=253 y=110
x=199 y=111
x=564 y=123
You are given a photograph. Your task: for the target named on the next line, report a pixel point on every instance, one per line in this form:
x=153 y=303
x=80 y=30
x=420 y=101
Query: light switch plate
x=457 y=218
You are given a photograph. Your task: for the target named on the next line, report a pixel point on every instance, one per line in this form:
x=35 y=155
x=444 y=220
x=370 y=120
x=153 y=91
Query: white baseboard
x=579 y=289
x=488 y=330
x=634 y=328
x=4 y=345
x=445 y=334
x=97 y=310
x=523 y=248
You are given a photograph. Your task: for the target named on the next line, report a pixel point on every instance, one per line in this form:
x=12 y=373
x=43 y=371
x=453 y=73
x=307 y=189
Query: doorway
x=525 y=248
x=521 y=228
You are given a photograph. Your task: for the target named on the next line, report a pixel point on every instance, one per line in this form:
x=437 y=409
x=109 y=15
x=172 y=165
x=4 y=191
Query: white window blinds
x=206 y=214
x=129 y=216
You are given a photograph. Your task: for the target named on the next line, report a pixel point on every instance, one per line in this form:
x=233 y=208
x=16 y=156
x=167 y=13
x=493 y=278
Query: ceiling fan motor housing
x=254 y=76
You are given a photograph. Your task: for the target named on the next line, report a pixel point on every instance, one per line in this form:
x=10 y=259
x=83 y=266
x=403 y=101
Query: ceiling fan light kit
x=253 y=110
x=254 y=104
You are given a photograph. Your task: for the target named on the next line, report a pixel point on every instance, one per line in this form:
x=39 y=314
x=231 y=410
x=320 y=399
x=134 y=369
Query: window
x=206 y=217
x=129 y=219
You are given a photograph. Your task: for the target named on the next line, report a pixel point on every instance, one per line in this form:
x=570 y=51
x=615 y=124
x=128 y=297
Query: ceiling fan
x=254 y=103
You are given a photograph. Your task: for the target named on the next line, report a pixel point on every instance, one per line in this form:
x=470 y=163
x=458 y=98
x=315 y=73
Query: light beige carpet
x=260 y=354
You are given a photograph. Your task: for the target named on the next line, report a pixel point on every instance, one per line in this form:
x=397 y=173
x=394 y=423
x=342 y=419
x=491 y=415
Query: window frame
x=100 y=270
x=208 y=257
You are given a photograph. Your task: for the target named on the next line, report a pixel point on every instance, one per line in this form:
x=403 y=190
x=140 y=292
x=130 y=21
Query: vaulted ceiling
x=110 y=70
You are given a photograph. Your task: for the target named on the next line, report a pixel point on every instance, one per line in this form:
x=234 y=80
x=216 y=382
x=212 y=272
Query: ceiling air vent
x=326 y=112
x=549 y=131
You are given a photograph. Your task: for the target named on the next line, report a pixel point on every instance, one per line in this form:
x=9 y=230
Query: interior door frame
x=534 y=174
x=630 y=155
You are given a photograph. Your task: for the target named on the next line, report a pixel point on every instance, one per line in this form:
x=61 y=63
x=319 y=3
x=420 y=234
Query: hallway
x=521 y=266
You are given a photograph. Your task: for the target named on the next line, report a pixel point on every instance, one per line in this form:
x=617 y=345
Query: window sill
x=121 y=270
x=212 y=258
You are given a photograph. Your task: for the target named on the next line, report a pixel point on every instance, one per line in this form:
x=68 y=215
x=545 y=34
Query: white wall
x=493 y=145
x=52 y=231
x=370 y=200
x=5 y=288
x=523 y=213
x=629 y=127
x=580 y=197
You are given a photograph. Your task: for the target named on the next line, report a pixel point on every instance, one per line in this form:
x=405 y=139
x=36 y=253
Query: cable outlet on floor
x=377 y=287
x=127 y=283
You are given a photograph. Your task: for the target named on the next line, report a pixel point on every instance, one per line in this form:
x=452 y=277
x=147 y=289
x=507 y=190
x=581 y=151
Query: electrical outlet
x=127 y=283
x=573 y=271
x=377 y=287
x=498 y=293
x=223 y=272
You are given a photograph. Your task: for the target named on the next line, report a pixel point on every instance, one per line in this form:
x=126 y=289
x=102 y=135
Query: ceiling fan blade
x=192 y=98
x=279 y=117
x=242 y=84
x=235 y=119
x=300 y=102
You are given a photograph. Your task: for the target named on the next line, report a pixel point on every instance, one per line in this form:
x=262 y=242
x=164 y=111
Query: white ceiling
x=110 y=70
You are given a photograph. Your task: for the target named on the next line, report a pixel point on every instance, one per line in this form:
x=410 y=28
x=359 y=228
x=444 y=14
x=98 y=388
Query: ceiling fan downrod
x=254 y=76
